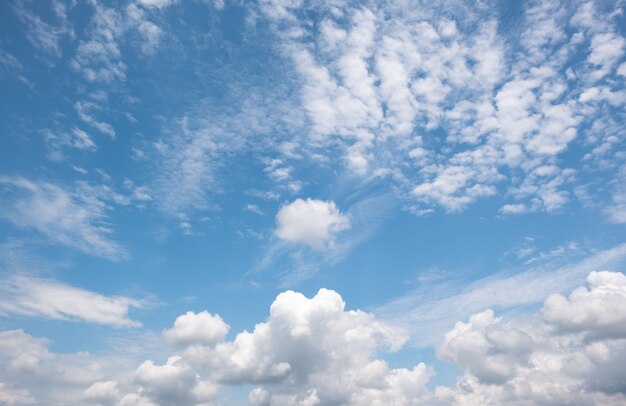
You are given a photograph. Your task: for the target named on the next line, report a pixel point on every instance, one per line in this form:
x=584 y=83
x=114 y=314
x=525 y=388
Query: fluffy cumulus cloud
x=312 y=351
x=599 y=311
x=568 y=353
x=311 y=222
x=32 y=374
x=309 y=351
x=197 y=328
x=103 y=393
x=173 y=383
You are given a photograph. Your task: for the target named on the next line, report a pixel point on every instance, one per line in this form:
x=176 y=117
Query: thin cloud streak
x=430 y=311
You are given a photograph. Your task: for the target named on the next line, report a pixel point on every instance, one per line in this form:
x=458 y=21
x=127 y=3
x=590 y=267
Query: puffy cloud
x=197 y=328
x=28 y=296
x=312 y=351
x=174 y=383
x=10 y=396
x=427 y=313
x=606 y=49
x=134 y=399
x=483 y=348
x=103 y=393
x=599 y=311
x=309 y=351
x=312 y=222
x=31 y=373
x=568 y=353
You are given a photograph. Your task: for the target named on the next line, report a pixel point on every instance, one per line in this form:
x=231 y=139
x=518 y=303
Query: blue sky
x=282 y=202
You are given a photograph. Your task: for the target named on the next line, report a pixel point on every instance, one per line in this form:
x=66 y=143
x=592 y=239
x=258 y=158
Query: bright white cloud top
x=314 y=351
x=311 y=222
x=169 y=170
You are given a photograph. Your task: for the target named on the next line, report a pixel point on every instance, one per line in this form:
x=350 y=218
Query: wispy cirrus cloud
x=99 y=57
x=75 y=218
x=200 y=145
x=432 y=309
x=44 y=35
x=22 y=295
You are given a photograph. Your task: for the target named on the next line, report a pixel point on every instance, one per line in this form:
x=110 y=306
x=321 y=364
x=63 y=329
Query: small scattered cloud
x=253 y=208
x=311 y=222
x=200 y=328
x=58 y=141
x=41 y=34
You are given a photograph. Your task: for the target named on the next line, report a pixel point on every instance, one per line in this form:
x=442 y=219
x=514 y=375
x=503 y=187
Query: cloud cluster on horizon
x=314 y=351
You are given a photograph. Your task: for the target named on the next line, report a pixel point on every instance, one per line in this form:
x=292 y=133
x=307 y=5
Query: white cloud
x=9 y=63
x=102 y=393
x=29 y=296
x=311 y=222
x=31 y=372
x=280 y=173
x=83 y=108
x=10 y=396
x=313 y=351
x=383 y=94
x=413 y=98
x=73 y=218
x=430 y=310
x=99 y=58
x=197 y=328
x=364 y=217
x=600 y=310
x=560 y=355
x=156 y=3
x=253 y=208
x=76 y=138
x=174 y=383
x=197 y=148
x=622 y=69
x=484 y=352
x=42 y=35
x=307 y=346
x=606 y=49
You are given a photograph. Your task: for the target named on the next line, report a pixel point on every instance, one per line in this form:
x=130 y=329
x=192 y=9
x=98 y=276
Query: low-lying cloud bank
x=315 y=352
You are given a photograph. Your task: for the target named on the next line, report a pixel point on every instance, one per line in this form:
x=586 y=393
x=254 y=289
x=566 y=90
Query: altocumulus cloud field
x=284 y=202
